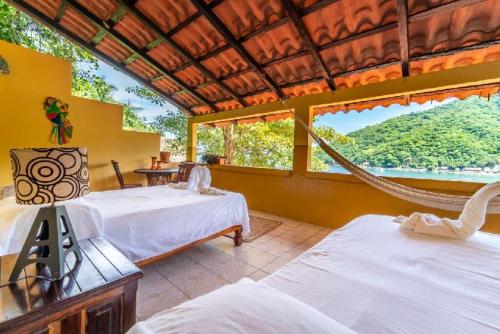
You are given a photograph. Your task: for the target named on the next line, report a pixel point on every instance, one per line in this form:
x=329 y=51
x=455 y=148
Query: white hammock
x=414 y=195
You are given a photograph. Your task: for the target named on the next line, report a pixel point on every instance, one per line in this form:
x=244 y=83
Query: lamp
x=47 y=176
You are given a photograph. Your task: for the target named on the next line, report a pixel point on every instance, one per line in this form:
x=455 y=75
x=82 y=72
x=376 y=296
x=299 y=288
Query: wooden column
x=192 y=139
x=302 y=141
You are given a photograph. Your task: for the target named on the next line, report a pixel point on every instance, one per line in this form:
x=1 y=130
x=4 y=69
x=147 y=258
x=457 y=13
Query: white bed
x=146 y=222
x=143 y=223
x=372 y=277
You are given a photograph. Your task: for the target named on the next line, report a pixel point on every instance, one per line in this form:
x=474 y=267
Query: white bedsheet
x=374 y=278
x=149 y=221
x=16 y=221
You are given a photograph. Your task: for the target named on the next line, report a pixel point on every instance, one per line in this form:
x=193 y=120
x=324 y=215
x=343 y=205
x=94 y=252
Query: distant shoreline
x=466 y=176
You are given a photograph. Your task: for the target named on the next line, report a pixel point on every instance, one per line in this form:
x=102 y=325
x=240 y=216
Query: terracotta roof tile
x=135 y=31
x=166 y=56
x=166 y=14
x=358 y=41
x=279 y=42
x=199 y=38
x=244 y=17
x=346 y=18
x=76 y=23
x=225 y=63
x=191 y=76
x=100 y=8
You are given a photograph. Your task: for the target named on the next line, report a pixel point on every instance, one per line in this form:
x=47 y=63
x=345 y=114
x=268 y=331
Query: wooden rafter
x=141 y=53
x=221 y=28
x=191 y=19
x=180 y=50
x=443 y=9
x=384 y=65
x=45 y=20
x=403 y=36
x=317 y=6
x=301 y=28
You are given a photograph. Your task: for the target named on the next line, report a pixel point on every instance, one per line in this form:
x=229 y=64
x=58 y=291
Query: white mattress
x=149 y=221
x=374 y=278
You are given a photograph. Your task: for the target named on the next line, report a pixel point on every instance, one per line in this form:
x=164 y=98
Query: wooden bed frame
x=238 y=240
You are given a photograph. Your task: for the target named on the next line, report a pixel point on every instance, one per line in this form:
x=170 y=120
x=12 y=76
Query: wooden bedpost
x=238 y=238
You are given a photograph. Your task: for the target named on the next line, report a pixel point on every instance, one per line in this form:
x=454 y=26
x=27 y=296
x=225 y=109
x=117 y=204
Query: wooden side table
x=98 y=296
x=157 y=177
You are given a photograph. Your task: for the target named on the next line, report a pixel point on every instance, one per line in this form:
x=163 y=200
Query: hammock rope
x=423 y=197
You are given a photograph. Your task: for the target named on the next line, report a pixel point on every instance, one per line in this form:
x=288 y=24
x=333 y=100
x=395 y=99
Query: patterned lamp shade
x=48 y=175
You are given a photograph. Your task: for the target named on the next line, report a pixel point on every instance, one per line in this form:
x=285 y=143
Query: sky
x=121 y=81
x=341 y=122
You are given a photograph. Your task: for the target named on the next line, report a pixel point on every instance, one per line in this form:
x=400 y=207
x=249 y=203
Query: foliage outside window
x=20 y=29
x=459 y=140
x=262 y=145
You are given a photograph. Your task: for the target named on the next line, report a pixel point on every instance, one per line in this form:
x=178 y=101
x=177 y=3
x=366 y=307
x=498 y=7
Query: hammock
x=414 y=195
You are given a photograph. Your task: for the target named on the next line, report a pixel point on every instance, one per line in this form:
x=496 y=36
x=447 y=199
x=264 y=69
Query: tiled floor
x=200 y=270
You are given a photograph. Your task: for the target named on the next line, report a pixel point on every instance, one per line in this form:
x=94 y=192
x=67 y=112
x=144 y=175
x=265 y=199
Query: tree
x=20 y=29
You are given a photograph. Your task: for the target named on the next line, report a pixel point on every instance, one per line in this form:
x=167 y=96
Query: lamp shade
x=48 y=175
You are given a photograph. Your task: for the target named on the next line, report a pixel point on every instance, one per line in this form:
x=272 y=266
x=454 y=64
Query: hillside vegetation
x=456 y=135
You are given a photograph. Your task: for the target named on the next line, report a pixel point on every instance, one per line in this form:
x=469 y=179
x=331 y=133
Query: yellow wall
x=330 y=200
x=97 y=126
x=333 y=200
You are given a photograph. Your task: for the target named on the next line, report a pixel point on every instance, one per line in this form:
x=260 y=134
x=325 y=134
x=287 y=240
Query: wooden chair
x=119 y=175
x=185 y=170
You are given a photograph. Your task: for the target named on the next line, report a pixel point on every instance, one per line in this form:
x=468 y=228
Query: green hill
x=457 y=134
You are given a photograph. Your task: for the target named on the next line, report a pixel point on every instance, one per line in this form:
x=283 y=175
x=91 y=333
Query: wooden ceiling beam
x=134 y=49
x=184 y=53
x=402 y=10
x=191 y=19
x=47 y=21
x=224 y=31
x=446 y=8
x=317 y=6
x=304 y=33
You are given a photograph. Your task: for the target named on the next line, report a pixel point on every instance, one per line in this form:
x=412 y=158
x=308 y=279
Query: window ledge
x=251 y=170
x=445 y=186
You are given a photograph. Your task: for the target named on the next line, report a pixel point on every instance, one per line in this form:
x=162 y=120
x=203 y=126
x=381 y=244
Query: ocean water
x=472 y=177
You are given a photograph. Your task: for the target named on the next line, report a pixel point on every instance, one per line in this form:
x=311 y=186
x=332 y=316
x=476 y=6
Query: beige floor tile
x=200 y=270
x=209 y=256
x=256 y=257
x=202 y=284
x=179 y=268
x=152 y=283
x=258 y=275
x=233 y=270
x=159 y=302
x=261 y=240
x=276 y=247
x=275 y=265
x=295 y=252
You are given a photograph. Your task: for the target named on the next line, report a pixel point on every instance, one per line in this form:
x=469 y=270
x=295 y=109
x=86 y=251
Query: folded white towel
x=470 y=221
x=205 y=178
x=194 y=178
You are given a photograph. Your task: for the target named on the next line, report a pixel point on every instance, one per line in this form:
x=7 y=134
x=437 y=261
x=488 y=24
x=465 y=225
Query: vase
x=154 y=164
x=165 y=156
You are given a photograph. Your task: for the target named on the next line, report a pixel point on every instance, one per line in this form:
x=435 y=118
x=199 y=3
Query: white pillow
x=244 y=307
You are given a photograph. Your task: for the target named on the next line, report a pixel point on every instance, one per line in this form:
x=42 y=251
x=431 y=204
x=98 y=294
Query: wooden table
x=98 y=296
x=157 y=177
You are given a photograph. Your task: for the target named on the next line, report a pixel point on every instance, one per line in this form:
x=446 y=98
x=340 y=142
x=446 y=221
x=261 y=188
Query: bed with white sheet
x=147 y=222
x=143 y=223
x=372 y=277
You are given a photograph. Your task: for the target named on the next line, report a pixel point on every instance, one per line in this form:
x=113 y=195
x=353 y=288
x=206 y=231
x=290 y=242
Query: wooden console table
x=98 y=296
x=158 y=177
